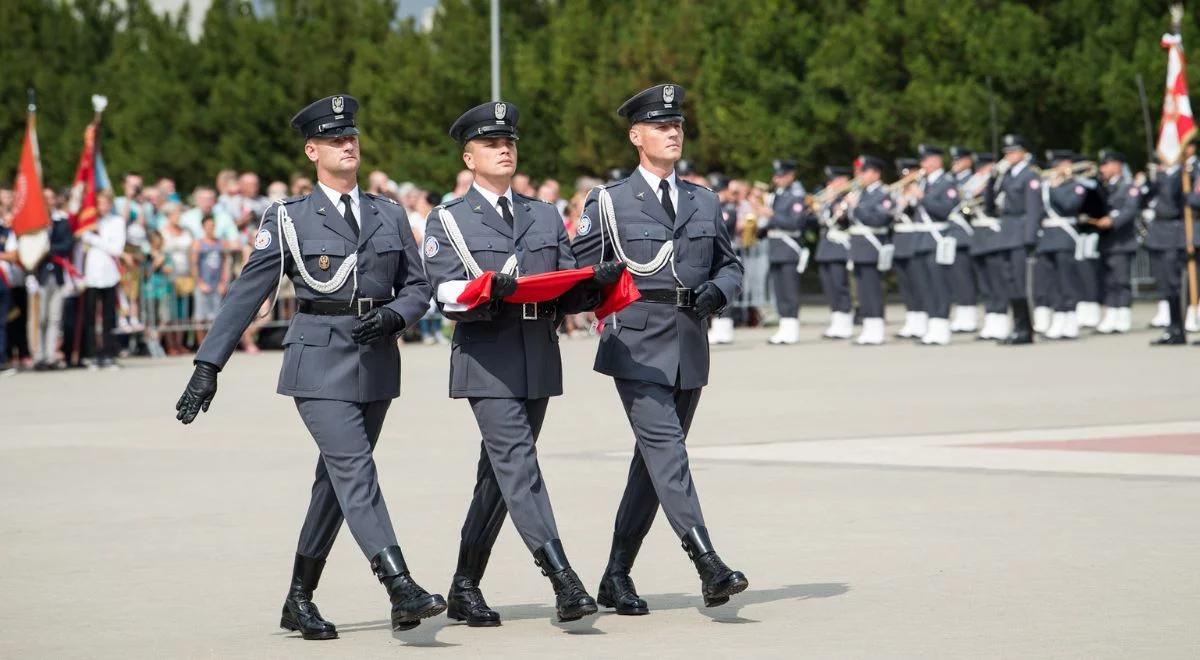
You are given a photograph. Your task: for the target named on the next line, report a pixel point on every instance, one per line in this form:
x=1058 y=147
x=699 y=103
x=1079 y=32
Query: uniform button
x=645 y=233
x=322 y=248
x=489 y=245
x=301 y=337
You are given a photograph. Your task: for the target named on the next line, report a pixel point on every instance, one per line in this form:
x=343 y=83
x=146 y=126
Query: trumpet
x=896 y=187
x=830 y=193
x=750 y=231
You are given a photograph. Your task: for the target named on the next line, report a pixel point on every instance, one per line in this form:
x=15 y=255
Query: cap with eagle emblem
x=487 y=120
x=332 y=116
x=661 y=103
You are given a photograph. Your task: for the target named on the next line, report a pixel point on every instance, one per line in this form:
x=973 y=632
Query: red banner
x=29 y=206
x=82 y=206
x=1177 y=126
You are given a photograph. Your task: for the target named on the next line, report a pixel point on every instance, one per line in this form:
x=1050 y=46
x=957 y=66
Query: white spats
x=872 y=333
x=1042 y=319
x=965 y=319
x=721 y=331
x=937 y=333
x=788 y=333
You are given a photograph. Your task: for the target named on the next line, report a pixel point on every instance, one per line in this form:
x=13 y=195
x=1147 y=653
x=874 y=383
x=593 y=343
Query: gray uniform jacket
x=874 y=210
x=956 y=229
x=656 y=342
x=495 y=353
x=1017 y=203
x=1124 y=202
x=940 y=198
x=1167 y=199
x=1067 y=200
x=788 y=216
x=320 y=360
x=829 y=251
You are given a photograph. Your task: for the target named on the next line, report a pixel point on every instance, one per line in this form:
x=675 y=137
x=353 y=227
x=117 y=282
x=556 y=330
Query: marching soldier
x=914 y=286
x=1166 y=244
x=784 y=229
x=670 y=235
x=937 y=198
x=1015 y=200
x=359 y=282
x=1062 y=198
x=870 y=222
x=987 y=229
x=504 y=358
x=833 y=253
x=962 y=275
x=1118 y=241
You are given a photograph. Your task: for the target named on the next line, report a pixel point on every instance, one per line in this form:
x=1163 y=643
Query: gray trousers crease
x=870 y=290
x=347 y=483
x=661 y=417
x=509 y=428
x=962 y=280
x=786 y=282
x=835 y=282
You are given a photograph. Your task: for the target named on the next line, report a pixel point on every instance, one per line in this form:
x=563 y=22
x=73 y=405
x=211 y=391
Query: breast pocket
x=700 y=244
x=489 y=253
x=543 y=254
x=322 y=258
x=642 y=241
x=388 y=252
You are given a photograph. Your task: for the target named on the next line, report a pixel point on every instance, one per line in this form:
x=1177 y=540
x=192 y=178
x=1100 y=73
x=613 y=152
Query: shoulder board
x=293 y=200
x=382 y=198
x=689 y=184
x=614 y=184
x=450 y=203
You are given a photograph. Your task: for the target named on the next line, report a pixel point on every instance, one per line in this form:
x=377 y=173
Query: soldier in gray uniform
x=870 y=223
x=784 y=231
x=1015 y=200
x=833 y=254
x=504 y=357
x=909 y=276
x=671 y=237
x=359 y=282
x=963 y=296
x=938 y=198
x=1118 y=241
x=987 y=229
x=1166 y=243
x=1062 y=198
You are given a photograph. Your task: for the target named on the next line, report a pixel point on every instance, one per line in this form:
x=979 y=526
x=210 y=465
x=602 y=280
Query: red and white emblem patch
x=952 y=193
x=1078 y=190
x=1133 y=191
x=797 y=207
x=887 y=204
x=1035 y=184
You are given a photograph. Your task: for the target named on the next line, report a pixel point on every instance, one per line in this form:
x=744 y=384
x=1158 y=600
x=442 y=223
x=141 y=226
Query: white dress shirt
x=105 y=245
x=336 y=197
x=654 y=180
x=494 y=199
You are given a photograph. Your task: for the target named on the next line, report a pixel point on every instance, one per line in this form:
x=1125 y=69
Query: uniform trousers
x=347 y=483
x=1088 y=279
x=993 y=302
x=835 y=282
x=937 y=276
x=1007 y=270
x=1061 y=280
x=508 y=479
x=1167 y=268
x=785 y=281
x=870 y=290
x=909 y=292
x=1117 y=279
x=962 y=279
x=660 y=416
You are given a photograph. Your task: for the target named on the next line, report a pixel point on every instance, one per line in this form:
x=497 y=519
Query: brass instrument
x=896 y=187
x=750 y=231
x=830 y=193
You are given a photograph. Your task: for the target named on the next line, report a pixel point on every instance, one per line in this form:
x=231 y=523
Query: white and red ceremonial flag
x=82 y=205
x=1178 y=126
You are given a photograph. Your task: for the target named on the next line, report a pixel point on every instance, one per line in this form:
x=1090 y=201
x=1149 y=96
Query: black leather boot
x=717 y=581
x=1022 y=325
x=570 y=598
x=299 y=612
x=616 y=587
x=465 y=600
x=410 y=603
x=1174 y=334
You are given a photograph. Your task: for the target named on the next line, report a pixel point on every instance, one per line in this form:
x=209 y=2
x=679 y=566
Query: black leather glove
x=199 y=393
x=708 y=299
x=607 y=272
x=379 y=323
x=503 y=285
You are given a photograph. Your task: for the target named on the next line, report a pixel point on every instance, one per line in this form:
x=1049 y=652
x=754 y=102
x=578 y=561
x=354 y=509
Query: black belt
x=680 y=296
x=542 y=311
x=358 y=307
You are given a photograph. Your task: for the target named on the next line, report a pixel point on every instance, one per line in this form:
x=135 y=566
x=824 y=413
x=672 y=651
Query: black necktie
x=507 y=214
x=666 y=199
x=348 y=214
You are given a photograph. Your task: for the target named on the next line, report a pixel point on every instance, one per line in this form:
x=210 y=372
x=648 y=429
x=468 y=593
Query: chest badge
x=323 y=262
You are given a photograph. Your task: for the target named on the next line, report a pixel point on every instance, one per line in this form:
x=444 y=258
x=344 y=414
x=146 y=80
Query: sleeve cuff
x=448 y=293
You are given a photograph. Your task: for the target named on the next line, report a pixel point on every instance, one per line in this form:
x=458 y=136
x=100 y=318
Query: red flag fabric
x=82 y=205
x=1177 y=126
x=29 y=206
x=548 y=286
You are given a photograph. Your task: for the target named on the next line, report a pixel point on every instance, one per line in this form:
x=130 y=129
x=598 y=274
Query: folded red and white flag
x=542 y=287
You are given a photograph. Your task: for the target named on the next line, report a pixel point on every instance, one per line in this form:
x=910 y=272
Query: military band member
x=671 y=236
x=784 y=229
x=504 y=357
x=1015 y=200
x=870 y=223
x=1166 y=243
x=987 y=230
x=1118 y=241
x=937 y=198
x=359 y=281
x=722 y=331
x=1062 y=198
x=910 y=276
x=833 y=253
x=963 y=294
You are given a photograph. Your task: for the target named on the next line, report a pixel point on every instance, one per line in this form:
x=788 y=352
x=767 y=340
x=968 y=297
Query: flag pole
x=1189 y=228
